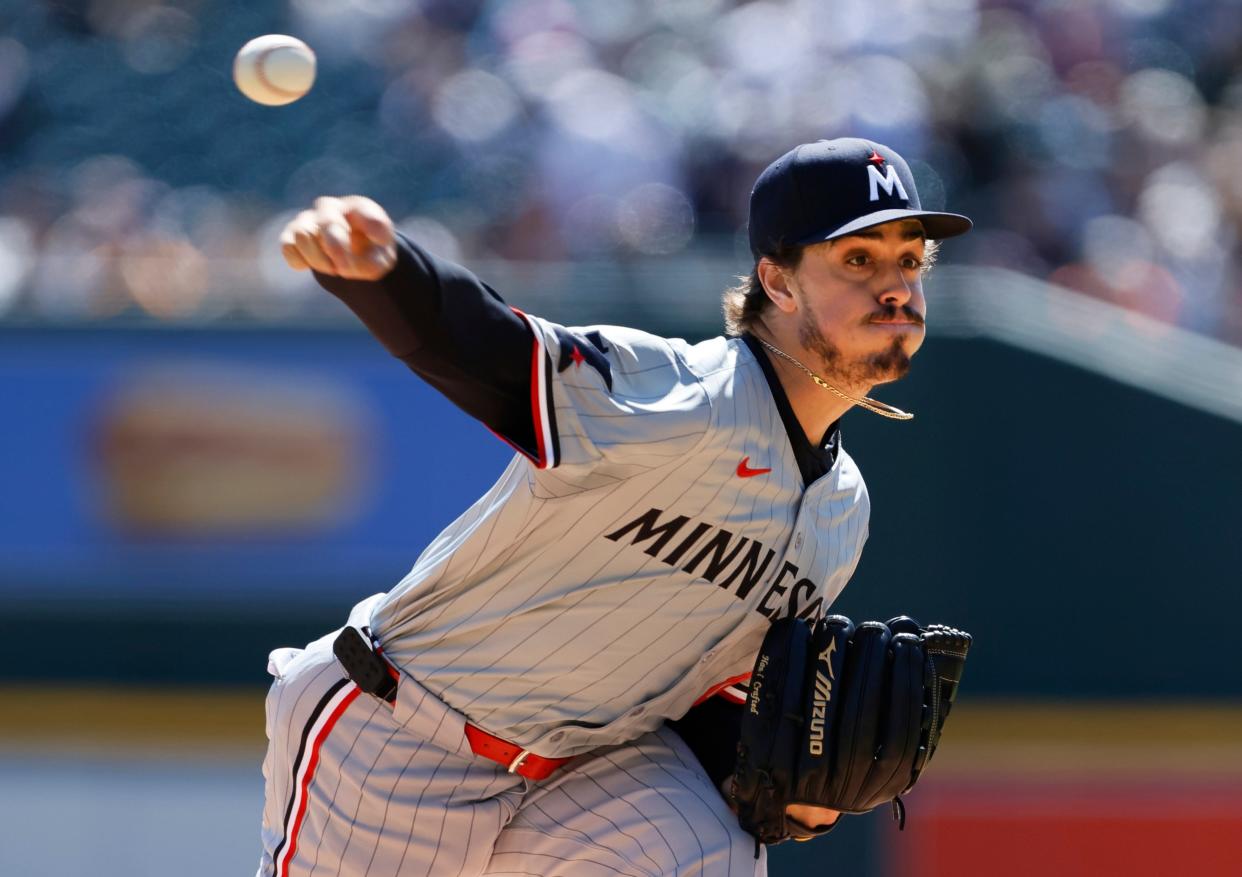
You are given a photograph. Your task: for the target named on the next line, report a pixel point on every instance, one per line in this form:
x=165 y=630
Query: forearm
x=453 y=331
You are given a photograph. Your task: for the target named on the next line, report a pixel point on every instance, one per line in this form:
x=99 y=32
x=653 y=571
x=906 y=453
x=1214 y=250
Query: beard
x=882 y=367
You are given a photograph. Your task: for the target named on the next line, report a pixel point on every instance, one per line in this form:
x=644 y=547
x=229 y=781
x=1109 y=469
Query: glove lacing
x=899 y=813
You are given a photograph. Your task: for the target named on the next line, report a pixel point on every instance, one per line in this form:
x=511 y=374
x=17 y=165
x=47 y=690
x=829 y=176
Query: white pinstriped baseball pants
x=357 y=788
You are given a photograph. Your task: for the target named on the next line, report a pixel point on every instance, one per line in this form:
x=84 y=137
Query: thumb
x=368 y=219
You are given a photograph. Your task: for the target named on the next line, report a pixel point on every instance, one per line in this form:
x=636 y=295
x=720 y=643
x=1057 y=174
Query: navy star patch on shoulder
x=578 y=348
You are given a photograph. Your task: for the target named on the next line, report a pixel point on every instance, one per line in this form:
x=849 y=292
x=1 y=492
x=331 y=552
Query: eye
x=857 y=260
x=911 y=263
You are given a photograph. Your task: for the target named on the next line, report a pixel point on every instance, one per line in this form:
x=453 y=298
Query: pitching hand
x=350 y=237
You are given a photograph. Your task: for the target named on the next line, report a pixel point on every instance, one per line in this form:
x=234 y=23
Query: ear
x=776 y=283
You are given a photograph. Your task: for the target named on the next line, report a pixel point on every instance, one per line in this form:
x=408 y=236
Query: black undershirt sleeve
x=455 y=332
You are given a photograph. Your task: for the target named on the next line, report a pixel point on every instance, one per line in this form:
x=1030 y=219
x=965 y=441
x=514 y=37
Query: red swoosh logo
x=744 y=471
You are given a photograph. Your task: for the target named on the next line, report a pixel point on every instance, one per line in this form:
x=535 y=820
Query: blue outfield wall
x=178 y=502
x=405 y=460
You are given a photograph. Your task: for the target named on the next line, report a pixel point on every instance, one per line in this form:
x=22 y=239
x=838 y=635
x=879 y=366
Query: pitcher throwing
x=503 y=709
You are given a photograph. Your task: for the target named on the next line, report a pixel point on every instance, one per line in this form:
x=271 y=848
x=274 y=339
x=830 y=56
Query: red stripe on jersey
x=525 y=453
x=717 y=689
x=536 y=410
x=312 y=762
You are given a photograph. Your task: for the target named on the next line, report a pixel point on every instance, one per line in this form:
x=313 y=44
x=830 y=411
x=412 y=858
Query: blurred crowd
x=1096 y=143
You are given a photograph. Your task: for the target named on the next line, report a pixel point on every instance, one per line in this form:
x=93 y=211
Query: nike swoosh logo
x=744 y=471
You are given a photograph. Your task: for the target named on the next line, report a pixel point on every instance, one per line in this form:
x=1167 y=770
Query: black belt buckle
x=369 y=670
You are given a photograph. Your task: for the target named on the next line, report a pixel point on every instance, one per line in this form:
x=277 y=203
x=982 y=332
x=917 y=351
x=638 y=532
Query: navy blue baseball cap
x=824 y=190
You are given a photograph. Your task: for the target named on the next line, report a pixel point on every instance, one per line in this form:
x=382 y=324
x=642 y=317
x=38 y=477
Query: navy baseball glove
x=841 y=716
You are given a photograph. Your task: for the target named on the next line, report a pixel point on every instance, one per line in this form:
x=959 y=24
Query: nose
x=896 y=290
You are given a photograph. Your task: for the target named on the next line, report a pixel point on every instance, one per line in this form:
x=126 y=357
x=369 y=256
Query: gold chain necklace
x=873 y=405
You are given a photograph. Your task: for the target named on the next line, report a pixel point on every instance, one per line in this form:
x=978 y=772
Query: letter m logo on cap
x=889 y=180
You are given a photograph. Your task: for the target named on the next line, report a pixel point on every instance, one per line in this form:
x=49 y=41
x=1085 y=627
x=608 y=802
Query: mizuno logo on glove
x=819 y=711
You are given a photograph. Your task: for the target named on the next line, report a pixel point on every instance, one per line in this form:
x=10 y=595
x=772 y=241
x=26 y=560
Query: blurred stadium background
x=205 y=458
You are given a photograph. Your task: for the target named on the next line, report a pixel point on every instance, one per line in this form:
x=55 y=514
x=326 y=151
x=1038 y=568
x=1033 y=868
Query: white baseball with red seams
x=274 y=69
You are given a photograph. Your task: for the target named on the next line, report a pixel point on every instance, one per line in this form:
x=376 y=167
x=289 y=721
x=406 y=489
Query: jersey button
x=637 y=711
x=797 y=541
x=559 y=735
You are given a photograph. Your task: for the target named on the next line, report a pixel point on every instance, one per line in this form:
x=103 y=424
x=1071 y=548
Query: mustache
x=892 y=312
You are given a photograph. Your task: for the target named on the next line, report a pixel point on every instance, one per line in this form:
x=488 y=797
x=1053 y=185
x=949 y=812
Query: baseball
x=274 y=69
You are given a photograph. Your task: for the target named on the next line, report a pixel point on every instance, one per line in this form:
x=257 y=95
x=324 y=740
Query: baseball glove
x=841 y=716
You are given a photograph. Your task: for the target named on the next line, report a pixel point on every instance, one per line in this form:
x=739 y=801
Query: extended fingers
x=334 y=234
x=289 y=246
x=300 y=244
x=372 y=239
x=292 y=257
x=348 y=237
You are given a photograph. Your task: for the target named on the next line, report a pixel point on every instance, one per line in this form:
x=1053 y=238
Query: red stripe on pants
x=295 y=825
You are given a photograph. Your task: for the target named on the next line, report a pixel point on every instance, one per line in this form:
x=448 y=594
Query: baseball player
x=503 y=709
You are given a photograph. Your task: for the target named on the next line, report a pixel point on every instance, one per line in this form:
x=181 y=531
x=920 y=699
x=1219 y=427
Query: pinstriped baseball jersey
x=635 y=561
x=664 y=506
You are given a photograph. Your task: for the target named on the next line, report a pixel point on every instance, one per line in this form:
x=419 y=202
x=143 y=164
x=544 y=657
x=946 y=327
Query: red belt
x=520 y=761
x=363 y=660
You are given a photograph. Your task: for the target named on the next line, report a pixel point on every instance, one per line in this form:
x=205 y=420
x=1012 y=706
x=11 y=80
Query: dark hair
x=744 y=302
